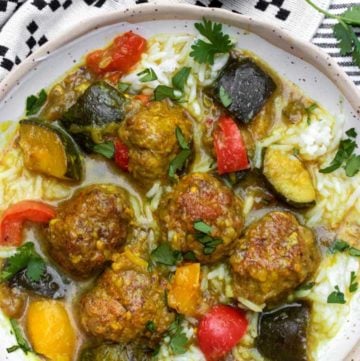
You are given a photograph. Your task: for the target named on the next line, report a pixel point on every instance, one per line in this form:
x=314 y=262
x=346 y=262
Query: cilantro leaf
x=106 y=149
x=309 y=111
x=352 y=15
x=353 y=284
x=306 y=286
x=34 y=103
x=162 y=92
x=343 y=36
x=352 y=165
x=224 y=97
x=35 y=269
x=123 y=86
x=356 y=49
x=22 y=343
x=202 y=227
x=204 y=52
x=351 y=133
x=178 y=162
x=150 y=326
x=164 y=254
x=178 y=343
x=336 y=296
x=147 y=75
x=339 y=246
x=180 y=78
x=181 y=139
x=354 y=252
x=203 y=236
x=190 y=256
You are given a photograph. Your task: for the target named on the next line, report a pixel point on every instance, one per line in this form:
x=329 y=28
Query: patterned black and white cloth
x=27 y=24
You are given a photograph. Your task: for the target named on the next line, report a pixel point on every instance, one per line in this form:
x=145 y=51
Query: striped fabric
x=324 y=38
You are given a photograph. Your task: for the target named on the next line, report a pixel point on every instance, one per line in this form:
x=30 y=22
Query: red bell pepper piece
x=229 y=147
x=12 y=220
x=121 y=155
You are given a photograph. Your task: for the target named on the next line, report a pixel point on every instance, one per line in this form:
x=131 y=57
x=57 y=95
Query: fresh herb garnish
x=180 y=78
x=306 y=286
x=339 y=246
x=189 y=256
x=224 y=97
x=336 y=296
x=150 y=326
x=353 y=284
x=164 y=254
x=25 y=257
x=22 y=343
x=181 y=139
x=147 y=75
x=353 y=165
x=295 y=152
x=354 y=252
x=203 y=236
x=343 y=155
x=351 y=133
x=34 y=103
x=344 y=32
x=179 y=161
x=309 y=111
x=123 y=86
x=178 y=339
x=106 y=149
x=204 y=52
x=162 y=92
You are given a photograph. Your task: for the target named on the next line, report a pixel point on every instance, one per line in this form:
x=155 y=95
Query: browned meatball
x=200 y=196
x=151 y=139
x=88 y=228
x=274 y=256
x=125 y=300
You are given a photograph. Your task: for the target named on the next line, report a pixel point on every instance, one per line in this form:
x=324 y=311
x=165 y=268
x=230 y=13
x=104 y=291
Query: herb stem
x=326 y=13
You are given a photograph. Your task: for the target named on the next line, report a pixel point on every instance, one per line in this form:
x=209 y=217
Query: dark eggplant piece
x=282 y=333
x=97 y=112
x=114 y=352
x=50 y=285
x=248 y=86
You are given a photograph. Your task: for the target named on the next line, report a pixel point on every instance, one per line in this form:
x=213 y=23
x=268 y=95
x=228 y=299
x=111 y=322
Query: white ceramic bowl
x=303 y=63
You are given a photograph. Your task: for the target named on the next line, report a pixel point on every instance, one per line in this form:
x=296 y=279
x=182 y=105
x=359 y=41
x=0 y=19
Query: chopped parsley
x=180 y=159
x=344 y=155
x=147 y=75
x=224 y=97
x=204 y=52
x=336 y=296
x=180 y=78
x=203 y=236
x=309 y=111
x=34 y=103
x=106 y=149
x=150 y=326
x=123 y=86
x=22 y=343
x=190 y=256
x=354 y=252
x=181 y=139
x=351 y=133
x=344 y=32
x=162 y=92
x=306 y=286
x=341 y=246
x=25 y=257
x=165 y=255
x=353 y=284
x=178 y=339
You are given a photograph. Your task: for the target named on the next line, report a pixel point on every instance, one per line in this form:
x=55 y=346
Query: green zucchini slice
x=49 y=149
x=289 y=177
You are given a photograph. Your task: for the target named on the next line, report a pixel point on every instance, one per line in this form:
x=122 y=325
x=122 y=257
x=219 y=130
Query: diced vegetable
x=220 y=330
x=283 y=333
x=50 y=330
x=49 y=149
x=184 y=292
x=246 y=85
x=97 y=112
x=289 y=177
x=229 y=147
x=114 y=352
x=49 y=285
x=121 y=155
x=11 y=222
x=124 y=52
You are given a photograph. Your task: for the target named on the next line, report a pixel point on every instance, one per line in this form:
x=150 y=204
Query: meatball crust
x=88 y=228
x=150 y=137
x=125 y=298
x=275 y=255
x=200 y=196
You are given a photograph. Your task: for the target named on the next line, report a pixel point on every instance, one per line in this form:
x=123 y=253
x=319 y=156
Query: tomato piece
x=12 y=220
x=220 y=330
x=145 y=99
x=121 y=55
x=229 y=147
x=121 y=155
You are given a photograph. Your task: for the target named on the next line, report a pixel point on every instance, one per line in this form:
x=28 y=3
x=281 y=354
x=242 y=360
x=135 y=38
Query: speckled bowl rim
x=276 y=36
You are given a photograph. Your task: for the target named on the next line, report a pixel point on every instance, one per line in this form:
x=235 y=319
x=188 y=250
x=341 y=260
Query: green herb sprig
x=204 y=52
x=336 y=296
x=342 y=246
x=348 y=41
x=353 y=284
x=147 y=75
x=35 y=102
x=203 y=235
x=165 y=255
x=106 y=149
x=20 y=339
x=178 y=339
x=180 y=159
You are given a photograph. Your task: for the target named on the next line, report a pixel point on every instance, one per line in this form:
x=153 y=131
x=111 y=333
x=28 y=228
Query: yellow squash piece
x=184 y=293
x=50 y=330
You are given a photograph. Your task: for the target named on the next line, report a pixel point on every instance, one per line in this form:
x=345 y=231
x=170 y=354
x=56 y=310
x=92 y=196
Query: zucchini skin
x=75 y=162
x=282 y=333
x=248 y=86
